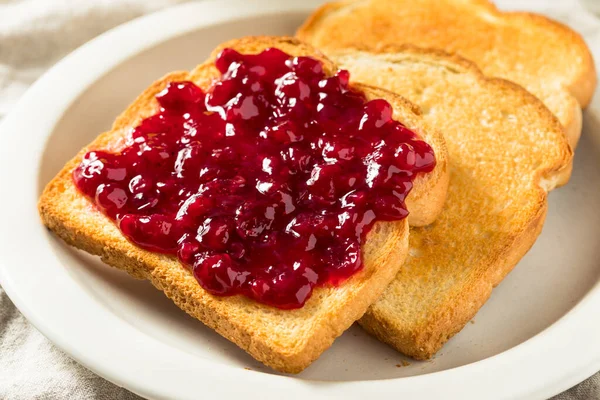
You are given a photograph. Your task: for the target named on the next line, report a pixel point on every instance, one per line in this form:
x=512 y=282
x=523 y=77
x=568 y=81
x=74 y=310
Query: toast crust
x=286 y=340
x=489 y=221
x=458 y=64
x=544 y=56
x=425 y=342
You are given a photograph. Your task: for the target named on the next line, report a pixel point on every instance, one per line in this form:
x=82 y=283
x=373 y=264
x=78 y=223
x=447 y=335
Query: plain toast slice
x=506 y=152
x=547 y=58
x=286 y=340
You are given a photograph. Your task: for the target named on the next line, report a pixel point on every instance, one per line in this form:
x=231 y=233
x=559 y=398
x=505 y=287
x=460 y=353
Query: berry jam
x=267 y=184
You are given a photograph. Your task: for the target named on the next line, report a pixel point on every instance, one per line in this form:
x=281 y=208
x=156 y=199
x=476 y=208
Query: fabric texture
x=34 y=34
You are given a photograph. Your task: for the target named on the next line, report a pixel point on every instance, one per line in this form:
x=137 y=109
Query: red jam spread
x=267 y=184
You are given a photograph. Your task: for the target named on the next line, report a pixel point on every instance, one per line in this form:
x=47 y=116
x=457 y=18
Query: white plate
x=538 y=335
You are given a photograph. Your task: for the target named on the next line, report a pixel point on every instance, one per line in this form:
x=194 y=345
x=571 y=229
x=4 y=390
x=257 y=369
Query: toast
x=545 y=57
x=506 y=152
x=286 y=340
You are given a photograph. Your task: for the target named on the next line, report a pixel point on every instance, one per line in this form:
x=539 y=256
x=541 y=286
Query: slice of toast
x=547 y=58
x=286 y=340
x=506 y=152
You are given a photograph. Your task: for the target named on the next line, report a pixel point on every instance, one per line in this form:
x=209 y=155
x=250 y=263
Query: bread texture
x=506 y=152
x=286 y=340
x=547 y=58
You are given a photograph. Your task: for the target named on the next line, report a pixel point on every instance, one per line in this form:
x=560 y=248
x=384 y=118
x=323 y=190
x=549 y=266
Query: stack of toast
x=498 y=97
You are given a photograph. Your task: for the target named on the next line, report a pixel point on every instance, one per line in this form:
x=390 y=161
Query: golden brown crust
x=544 y=56
x=582 y=83
x=506 y=151
x=458 y=64
x=286 y=340
x=422 y=344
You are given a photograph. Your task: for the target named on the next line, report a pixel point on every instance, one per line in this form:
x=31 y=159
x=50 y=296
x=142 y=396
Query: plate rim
x=528 y=370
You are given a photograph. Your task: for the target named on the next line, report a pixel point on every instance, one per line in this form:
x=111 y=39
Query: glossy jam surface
x=264 y=186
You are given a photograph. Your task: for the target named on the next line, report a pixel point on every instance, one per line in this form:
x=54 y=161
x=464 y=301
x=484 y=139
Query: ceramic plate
x=538 y=335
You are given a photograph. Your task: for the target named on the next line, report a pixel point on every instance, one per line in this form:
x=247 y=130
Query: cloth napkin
x=34 y=34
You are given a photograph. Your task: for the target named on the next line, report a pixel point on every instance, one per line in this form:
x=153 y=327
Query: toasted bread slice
x=286 y=340
x=506 y=152
x=547 y=58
